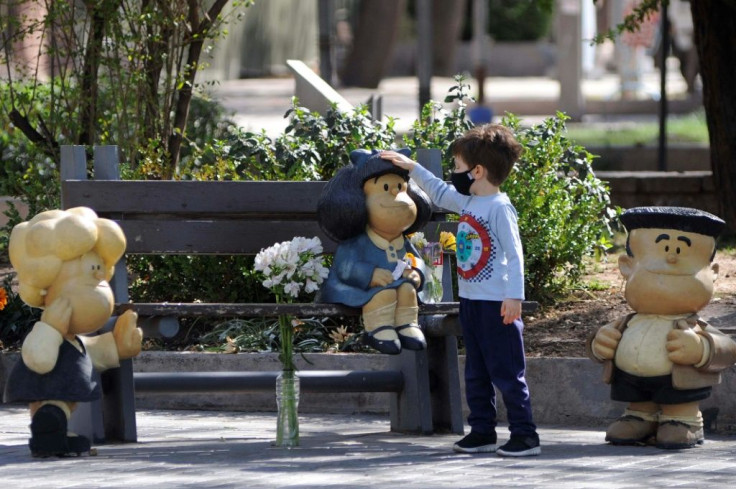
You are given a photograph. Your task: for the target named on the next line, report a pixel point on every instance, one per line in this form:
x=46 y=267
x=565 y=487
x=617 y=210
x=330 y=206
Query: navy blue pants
x=494 y=356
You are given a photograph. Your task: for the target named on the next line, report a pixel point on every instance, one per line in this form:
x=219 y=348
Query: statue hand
x=606 y=341
x=58 y=314
x=684 y=346
x=381 y=277
x=128 y=336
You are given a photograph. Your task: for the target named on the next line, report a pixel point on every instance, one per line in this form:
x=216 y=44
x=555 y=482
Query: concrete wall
x=565 y=391
x=680 y=157
x=639 y=188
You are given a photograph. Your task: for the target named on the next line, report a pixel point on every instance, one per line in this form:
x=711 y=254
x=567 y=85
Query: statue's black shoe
x=49 y=435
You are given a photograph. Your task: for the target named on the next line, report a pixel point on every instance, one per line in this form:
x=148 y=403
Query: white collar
x=382 y=242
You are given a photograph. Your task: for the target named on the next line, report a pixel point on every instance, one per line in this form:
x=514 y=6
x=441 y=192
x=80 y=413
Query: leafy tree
x=111 y=72
x=714 y=24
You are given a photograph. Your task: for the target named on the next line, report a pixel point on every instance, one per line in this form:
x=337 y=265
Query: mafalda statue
x=64 y=260
x=369 y=207
x=663 y=360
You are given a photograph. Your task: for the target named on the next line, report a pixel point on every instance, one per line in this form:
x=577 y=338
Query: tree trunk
x=715 y=39
x=200 y=25
x=157 y=46
x=375 y=35
x=447 y=19
x=88 y=79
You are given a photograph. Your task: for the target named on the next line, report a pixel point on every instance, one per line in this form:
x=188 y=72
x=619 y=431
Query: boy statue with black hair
x=663 y=359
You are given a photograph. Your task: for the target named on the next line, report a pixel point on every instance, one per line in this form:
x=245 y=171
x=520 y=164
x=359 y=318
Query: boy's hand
x=510 y=310
x=399 y=160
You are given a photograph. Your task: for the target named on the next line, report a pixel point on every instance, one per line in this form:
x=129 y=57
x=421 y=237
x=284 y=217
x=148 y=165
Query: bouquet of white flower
x=288 y=269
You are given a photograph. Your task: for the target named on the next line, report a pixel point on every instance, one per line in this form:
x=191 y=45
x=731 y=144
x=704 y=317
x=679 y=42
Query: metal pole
x=326 y=21
x=424 y=51
x=662 y=150
x=480 y=18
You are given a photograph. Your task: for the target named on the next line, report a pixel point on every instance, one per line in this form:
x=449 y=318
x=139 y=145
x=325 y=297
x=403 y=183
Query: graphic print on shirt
x=475 y=249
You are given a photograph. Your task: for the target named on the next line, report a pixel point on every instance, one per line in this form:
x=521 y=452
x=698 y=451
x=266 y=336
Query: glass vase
x=433 y=285
x=287 y=403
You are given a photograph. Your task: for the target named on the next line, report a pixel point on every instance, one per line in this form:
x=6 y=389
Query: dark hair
x=341 y=210
x=492 y=146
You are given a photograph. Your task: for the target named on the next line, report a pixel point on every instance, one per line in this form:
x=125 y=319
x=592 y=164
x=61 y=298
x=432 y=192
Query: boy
x=490 y=269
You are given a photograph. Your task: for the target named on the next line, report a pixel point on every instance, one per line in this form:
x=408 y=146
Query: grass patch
x=690 y=128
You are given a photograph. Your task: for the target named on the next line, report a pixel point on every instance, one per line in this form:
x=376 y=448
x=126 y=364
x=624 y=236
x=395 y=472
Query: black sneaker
x=476 y=443
x=520 y=446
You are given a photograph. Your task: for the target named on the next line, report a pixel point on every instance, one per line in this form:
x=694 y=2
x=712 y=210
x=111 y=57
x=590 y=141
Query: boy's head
x=492 y=146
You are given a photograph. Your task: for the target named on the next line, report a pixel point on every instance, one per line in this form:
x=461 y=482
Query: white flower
x=418 y=240
x=292 y=289
x=311 y=286
x=289 y=267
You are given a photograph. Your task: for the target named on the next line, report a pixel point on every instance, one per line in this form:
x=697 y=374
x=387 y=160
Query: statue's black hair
x=341 y=210
x=679 y=218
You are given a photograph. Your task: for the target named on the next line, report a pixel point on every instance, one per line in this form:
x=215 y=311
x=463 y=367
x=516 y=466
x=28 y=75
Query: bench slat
x=190 y=198
x=309 y=309
x=229 y=237
x=310 y=381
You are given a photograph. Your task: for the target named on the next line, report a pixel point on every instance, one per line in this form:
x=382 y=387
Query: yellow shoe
x=630 y=430
x=674 y=435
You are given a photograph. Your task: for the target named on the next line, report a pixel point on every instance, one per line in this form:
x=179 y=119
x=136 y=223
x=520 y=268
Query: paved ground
x=223 y=449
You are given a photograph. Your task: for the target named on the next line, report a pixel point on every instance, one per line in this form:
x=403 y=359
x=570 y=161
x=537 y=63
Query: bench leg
x=444 y=375
x=87 y=421
x=118 y=403
x=411 y=409
x=112 y=418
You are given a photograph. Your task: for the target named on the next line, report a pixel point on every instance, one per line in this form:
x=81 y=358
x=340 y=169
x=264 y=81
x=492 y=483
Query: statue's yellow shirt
x=641 y=350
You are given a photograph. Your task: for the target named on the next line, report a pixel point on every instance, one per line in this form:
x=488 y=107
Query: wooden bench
x=186 y=217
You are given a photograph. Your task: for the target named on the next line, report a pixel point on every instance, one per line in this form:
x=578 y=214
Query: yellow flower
x=411 y=259
x=447 y=240
x=3 y=298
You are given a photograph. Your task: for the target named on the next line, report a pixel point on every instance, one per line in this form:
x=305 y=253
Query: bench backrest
x=188 y=217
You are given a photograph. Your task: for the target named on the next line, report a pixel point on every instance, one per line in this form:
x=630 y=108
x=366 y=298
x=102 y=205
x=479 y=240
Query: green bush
x=437 y=127
x=565 y=213
x=312 y=147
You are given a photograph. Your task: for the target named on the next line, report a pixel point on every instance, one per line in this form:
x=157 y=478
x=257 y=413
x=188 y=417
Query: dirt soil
x=560 y=330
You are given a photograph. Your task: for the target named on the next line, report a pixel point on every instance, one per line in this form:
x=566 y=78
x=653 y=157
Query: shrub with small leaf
x=565 y=212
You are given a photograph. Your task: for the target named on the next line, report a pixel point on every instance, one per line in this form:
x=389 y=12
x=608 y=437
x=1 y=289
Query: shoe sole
x=627 y=441
x=524 y=453
x=679 y=446
x=480 y=449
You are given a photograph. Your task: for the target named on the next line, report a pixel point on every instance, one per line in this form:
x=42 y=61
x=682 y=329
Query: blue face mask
x=462 y=181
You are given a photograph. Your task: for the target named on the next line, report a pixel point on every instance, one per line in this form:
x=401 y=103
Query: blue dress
x=352 y=269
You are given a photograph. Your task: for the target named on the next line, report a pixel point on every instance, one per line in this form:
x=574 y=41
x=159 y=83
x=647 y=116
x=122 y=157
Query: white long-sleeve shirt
x=490 y=260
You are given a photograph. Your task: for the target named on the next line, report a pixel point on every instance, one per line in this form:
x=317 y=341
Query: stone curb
x=564 y=391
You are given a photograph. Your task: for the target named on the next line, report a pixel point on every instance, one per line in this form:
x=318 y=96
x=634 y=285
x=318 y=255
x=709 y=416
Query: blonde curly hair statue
x=40 y=246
